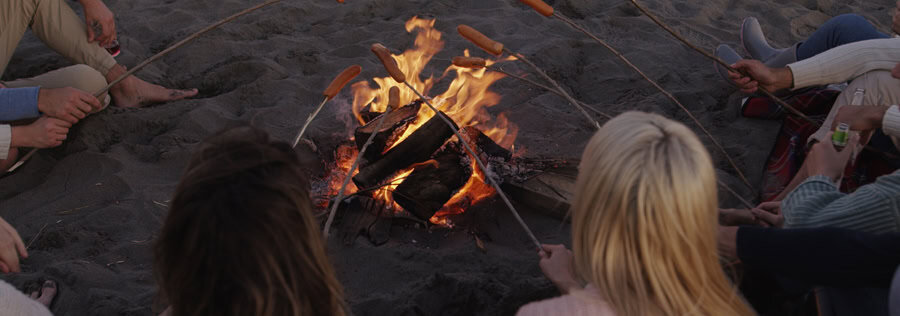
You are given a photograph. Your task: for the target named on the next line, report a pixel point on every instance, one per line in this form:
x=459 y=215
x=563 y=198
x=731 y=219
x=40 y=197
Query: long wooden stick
x=482 y=166
x=661 y=90
x=362 y=151
x=154 y=58
x=555 y=84
x=721 y=62
x=539 y=85
x=183 y=42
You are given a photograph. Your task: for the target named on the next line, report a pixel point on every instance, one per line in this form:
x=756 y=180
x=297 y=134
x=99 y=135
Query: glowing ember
x=465 y=101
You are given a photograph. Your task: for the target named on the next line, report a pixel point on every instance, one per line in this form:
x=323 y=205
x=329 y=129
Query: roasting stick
x=498 y=49
x=336 y=85
x=394 y=70
x=393 y=104
x=722 y=62
x=546 y=10
x=156 y=57
x=478 y=63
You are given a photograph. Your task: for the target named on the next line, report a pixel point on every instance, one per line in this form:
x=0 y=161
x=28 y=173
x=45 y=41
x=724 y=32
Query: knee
x=89 y=80
x=850 y=21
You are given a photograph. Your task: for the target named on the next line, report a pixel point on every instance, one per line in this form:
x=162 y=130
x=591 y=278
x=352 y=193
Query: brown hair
x=240 y=238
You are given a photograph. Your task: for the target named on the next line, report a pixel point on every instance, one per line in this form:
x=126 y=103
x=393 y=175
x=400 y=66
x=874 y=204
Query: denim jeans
x=840 y=30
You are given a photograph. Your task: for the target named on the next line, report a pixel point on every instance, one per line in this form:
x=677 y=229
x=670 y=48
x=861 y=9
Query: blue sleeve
x=19 y=103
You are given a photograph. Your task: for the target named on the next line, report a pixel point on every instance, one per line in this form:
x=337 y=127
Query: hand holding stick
x=497 y=48
x=393 y=104
x=391 y=65
x=336 y=85
x=547 y=10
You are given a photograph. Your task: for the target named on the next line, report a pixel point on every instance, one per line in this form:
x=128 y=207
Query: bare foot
x=47 y=293
x=9 y=161
x=134 y=92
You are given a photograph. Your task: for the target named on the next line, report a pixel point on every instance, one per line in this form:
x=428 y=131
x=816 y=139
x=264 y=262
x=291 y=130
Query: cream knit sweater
x=846 y=62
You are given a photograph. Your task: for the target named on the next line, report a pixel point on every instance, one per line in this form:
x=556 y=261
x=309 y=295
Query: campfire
x=415 y=163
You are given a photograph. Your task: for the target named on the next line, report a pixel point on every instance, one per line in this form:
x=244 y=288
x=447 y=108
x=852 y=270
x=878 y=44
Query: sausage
x=341 y=80
x=389 y=63
x=394 y=98
x=469 y=62
x=479 y=39
x=540 y=6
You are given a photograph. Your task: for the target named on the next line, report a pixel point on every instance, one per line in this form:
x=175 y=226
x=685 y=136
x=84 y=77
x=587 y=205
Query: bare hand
x=45 y=132
x=11 y=247
x=101 y=23
x=727 y=242
x=896 y=71
x=824 y=159
x=860 y=117
x=769 y=214
x=760 y=75
x=556 y=262
x=68 y=104
x=736 y=217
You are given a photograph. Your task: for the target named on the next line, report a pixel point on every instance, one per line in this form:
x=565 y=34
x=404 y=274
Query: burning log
x=433 y=183
x=418 y=147
x=394 y=125
x=485 y=145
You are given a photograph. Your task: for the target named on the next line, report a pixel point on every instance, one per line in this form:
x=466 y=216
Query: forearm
x=19 y=103
x=821 y=256
x=871 y=208
x=846 y=62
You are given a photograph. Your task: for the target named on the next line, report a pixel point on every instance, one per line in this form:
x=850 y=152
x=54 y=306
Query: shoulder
x=583 y=303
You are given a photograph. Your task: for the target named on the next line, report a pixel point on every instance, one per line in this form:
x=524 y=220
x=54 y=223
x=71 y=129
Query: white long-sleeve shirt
x=846 y=62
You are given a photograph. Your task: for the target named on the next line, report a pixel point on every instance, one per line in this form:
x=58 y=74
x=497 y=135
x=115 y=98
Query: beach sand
x=90 y=209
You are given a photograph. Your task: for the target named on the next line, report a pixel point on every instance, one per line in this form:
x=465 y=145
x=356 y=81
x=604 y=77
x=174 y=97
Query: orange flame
x=465 y=101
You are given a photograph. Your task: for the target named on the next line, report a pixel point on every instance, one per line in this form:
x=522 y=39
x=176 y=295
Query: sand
x=98 y=201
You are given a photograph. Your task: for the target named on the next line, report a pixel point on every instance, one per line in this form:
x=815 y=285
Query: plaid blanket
x=790 y=147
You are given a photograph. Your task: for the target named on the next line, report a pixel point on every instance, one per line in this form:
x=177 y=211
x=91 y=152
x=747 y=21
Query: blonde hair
x=644 y=221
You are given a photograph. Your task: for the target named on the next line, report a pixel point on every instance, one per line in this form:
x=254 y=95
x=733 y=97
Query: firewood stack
x=441 y=166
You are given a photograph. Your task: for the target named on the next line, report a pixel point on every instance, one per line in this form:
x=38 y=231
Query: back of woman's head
x=240 y=238
x=644 y=220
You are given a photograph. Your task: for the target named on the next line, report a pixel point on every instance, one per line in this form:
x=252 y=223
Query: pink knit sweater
x=585 y=303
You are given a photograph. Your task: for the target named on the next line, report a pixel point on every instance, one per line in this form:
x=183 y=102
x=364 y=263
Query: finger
x=769 y=218
x=69 y=118
x=92 y=102
x=17 y=240
x=11 y=259
x=62 y=123
x=90 y=30
x=3 y=267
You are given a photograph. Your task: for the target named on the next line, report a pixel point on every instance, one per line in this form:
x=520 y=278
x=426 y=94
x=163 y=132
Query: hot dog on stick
x=332 y=90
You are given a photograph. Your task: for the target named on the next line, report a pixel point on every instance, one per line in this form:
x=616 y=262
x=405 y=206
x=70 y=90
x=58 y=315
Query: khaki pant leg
x=80 y=77
x=15 y=17
x=62 y=30
x=880 y=89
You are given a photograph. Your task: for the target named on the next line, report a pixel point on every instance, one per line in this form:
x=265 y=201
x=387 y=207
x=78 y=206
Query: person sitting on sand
x=813 y=199
x=50 y=94
x=240 y=237
x=839 y=30
x=13 y=302
x=643 y=228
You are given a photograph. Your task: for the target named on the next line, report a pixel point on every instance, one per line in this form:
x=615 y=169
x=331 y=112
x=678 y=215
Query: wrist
x=784 y=78
x=19 y=137
x=874 y=115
